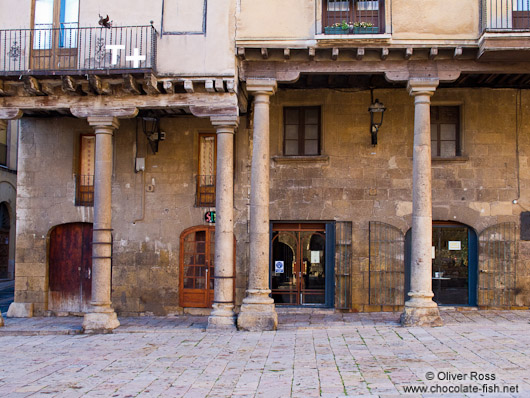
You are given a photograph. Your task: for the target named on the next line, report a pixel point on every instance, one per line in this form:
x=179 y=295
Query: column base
x=20 y=310
x=100 y=322
x=416 y=314
x=258 y=312
x=1 y=321
x=222 y=317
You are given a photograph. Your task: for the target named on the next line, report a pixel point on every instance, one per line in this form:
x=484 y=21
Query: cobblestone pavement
x=313 y=353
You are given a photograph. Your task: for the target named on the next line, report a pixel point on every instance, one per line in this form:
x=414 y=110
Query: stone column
x=258 y=311
x=222 y=315
x=101 y=317
x=420 y=309
x=3 y=126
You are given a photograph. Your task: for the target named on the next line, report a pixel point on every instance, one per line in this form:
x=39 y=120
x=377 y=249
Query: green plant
x=363 y=25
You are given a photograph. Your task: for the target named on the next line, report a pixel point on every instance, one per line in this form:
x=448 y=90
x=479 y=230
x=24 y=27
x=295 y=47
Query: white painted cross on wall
x=114 y=50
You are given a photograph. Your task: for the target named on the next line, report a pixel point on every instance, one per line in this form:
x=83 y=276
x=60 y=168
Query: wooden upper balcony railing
x=72 y=50
x=505 y=15
x=347 y=17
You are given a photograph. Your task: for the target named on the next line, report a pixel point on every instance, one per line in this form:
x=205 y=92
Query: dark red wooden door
x=70 y=265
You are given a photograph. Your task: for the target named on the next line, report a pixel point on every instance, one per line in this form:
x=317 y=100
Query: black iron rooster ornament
x=105 y=21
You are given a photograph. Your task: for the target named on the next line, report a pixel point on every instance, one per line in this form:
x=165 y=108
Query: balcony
x=348 y=17
x=505 y=15
x=71 y=50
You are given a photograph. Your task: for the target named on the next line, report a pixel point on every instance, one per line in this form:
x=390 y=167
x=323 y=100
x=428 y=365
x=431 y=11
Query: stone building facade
x=256 y=115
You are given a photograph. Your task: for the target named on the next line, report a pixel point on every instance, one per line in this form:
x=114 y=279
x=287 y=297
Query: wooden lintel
x=99 y=86
x=180 y=100
x=241 y=53
x=360 y=54
x=433 y=53
x=47 y=88
x=130 y=85
x=212 y=110
x=10 y=113
x=85 y=88
x=458 y=52
x=231 y=86
x=69 y=85
x=151 y=84
x=264 y=53
x=219 y=85
x=408 y=52
x=188 y=86
x=168 y=86
x=32 y=86
x=287 y=53
x=208 y=85
x=334 y=53
x=384 y=53
x=85 y=112
x=312 y=53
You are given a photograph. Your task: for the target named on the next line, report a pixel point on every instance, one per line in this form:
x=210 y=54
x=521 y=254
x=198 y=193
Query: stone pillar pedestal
x=101 y=316
x=420 y=309
x=257 y=311
x=222 y=315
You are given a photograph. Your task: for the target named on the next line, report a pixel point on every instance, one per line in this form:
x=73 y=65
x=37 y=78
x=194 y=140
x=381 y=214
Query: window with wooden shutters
x=207 y=170
x=85 y=177
x=301 y=131
x=445 y=131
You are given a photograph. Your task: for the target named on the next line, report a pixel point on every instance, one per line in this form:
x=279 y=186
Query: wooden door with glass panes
x=55 y=34
x=197 y=276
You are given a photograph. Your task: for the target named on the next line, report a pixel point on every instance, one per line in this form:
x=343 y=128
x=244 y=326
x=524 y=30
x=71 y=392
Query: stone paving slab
x=313 y=354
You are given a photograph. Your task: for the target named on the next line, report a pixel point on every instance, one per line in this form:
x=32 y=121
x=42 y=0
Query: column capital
x=10 y=113
x=105 y=122
x=422 y=86
x=225 y=122
x=262 y=86
x=86 y=112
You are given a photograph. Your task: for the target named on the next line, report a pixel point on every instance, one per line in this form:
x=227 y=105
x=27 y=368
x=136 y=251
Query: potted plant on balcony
x=339 y=28
x=365 y=28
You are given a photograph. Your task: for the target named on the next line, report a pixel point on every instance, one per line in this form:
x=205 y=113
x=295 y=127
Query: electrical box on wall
x=140 y=164
x=525 y=225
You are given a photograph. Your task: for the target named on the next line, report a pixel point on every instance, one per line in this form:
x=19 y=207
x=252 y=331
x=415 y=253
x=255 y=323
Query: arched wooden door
x=70 y=268
x=197 y=253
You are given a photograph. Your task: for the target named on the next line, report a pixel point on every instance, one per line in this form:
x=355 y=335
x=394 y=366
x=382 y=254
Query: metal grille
x=387 y=266
x=74 y=50
x=84 y=190
x=505 y=15
x=343 y=260
x=206 y=190
x=354 y=16
x=497 y=265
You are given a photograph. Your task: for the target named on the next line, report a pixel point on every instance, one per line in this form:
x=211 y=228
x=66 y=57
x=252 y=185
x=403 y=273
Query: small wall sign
x=278 y=267
x=209 y=217
x=455 y=245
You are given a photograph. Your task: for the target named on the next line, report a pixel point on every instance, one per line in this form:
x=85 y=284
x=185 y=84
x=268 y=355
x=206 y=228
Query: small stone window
x=301 y=135
x=445 y=132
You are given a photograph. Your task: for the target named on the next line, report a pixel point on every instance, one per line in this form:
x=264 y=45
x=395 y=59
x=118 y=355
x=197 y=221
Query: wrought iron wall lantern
x=151 y=129
x=377 y=111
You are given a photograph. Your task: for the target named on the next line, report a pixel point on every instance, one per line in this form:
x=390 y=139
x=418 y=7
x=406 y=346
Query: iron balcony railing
x=353 y=16
x=505 y=15
x=84 y=195
x=72 y=50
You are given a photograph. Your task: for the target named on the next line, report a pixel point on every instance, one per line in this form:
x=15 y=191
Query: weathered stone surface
x=20 y=310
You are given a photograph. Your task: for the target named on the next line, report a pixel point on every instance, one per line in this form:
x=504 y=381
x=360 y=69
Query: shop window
x=207 y=170
x=85 y=176
x=301 y=135
x=445 y=131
